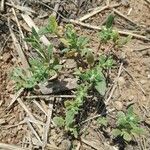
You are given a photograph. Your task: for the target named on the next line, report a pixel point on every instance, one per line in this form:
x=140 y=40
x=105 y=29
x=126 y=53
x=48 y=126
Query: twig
x=47 y=97
x=78 y=146
x=11 y=147
x=34 y=132
x=2 y=5
x=20 y=30
x=35 y=121
x=148 y=1
x=107 y=2
x=26 y=109
x=1 y=50
x=56 y=8
x=115 y=85
x=19 y=49
x=133 y=78
x=122 y=15
x=40 y=2
x=35 y=102
x=15 y=125
x=29 y=113
x=47 y=126
x=89 y=143
x=126 y=33
x=96 y=116
x=15 y=97
x=97 y=10
x=142 y=49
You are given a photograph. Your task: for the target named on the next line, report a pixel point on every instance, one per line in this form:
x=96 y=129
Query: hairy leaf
x=59 y=121
x=110 y=21
x=101 y=87
x=116 y=132
x=69 y=119
x=102 y=121
x=127 y=136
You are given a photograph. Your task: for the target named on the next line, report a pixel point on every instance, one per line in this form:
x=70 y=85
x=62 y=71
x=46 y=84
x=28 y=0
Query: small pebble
x=131 y=97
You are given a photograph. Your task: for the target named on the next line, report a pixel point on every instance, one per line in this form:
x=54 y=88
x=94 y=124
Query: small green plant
x=90 y=78
x=127 y=125
x=108 y=34
x=72 y=41
x=102 y=121
x=72 y=109
x=42 y=67
x=77 y=45
x=51 y=28
x=106 y=62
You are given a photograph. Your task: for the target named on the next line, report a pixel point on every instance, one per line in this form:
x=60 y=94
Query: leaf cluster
x=108 y=34
x=41 y=67
x=72 y=109
x=127 y=125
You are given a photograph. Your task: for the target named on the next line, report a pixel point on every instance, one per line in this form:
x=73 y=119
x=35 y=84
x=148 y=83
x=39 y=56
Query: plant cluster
x=128 y=125
x=42 y=67
x=108 y=34
x=92 y=78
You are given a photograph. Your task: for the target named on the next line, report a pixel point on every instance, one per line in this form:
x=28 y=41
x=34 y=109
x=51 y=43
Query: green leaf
x=49 y=53
x=101 y=87
x=115 y=35
x=35 y=34
x=43 y=30
x=69 y=119
x=74 y=132
x=110 y=21
x=90 y=58
x=59 y=121
x=82 y=41
x=116 y=132
x=137 y=131
x=65 y=42
x=105 y=34
x=130 y=111
x=102 y=121
x=122 y=121
x=124 y=41
x=52 y=26
x=127 y=136
x=121 y=114
x=30 y=40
